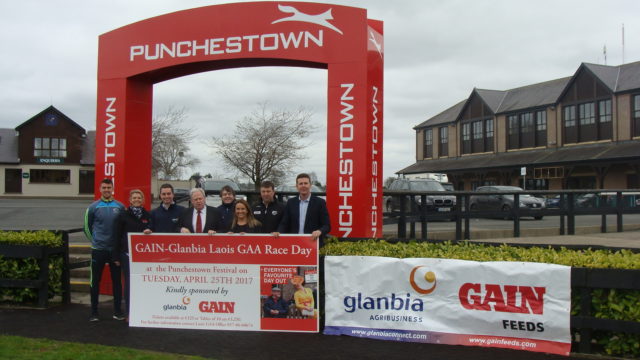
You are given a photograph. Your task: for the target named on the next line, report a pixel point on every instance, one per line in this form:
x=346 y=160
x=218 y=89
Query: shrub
x=28 y=268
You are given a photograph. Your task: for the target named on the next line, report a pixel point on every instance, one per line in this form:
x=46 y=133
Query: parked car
x=438 y=203
x=217 y=184
x=504 y=203
x=447 y=186
x=587 y=200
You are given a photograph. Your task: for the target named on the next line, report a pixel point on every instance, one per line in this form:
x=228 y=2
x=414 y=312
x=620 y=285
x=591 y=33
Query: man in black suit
x=310 y=208
x=200 y=218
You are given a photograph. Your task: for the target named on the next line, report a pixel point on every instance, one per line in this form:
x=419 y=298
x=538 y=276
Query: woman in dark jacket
x=243 y=219
x=135 y=220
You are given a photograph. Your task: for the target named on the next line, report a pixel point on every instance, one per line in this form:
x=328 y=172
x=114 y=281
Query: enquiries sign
x=512 y=305
x=223 y=282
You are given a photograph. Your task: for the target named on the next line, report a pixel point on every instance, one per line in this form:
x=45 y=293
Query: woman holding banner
x=243 y=219
x=135 y=220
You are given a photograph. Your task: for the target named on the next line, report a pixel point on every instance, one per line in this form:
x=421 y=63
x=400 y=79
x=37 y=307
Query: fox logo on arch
x=429 y=278
x=297 y=15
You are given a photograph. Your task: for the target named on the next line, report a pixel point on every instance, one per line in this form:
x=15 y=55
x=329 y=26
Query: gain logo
x=429 y=277
x=320 y=19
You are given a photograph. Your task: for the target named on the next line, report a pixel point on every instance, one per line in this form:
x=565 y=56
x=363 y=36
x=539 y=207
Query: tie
x=198 y=222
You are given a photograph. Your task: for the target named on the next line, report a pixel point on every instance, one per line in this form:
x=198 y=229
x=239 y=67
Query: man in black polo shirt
x=268 y=211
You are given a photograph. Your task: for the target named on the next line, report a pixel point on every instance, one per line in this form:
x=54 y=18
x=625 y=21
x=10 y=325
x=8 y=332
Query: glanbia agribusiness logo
x=429 y=278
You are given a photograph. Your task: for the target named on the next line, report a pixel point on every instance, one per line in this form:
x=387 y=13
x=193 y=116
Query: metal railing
x=570 y=204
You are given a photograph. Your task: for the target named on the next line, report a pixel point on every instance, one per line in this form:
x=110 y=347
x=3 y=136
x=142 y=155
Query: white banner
x=513 y=305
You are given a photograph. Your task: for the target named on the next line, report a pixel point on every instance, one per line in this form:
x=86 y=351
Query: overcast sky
x=436 y=52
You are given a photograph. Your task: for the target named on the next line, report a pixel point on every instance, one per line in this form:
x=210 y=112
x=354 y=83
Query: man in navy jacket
x=164 y=218
x=306 y=213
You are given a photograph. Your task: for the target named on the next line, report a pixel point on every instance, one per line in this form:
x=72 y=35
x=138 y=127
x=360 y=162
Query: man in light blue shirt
x=306 y=213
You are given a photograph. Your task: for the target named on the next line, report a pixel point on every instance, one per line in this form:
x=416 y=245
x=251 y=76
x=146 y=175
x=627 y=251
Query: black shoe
x=119 y=317
x=94 y=318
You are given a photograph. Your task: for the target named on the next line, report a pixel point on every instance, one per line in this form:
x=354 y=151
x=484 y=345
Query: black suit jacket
x=317 y=217
x=212 y=222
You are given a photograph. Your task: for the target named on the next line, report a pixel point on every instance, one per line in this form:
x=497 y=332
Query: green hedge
x=28 y=268
x=606 y=303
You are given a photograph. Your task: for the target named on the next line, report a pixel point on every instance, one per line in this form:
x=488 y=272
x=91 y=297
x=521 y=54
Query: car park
x=504 y=202
x=435 y=203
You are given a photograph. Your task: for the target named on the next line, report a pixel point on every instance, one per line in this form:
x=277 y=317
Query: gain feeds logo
x=425 y=282
x=319 y=19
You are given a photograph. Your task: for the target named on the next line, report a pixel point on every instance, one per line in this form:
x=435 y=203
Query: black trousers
x=98 y=259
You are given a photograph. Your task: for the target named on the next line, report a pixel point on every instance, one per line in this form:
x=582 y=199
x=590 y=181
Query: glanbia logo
x=429 y=278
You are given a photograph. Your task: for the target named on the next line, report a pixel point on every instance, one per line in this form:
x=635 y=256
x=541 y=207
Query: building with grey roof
x=48 y=155
x=577 y=132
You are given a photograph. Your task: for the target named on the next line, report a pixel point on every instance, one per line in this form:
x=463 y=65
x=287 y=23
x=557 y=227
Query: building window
x=428 y=143
x=443 y=148
x=541 y=121
x=636 y=115
x=569 y=116
x=50 y=147
x=541 y=128
x=514 y=132
x=477 y=130
x=527 y=129
x=587 y=114
x=594 y=121
x=466 y=138
x=478 y=137
x=570 y=132
x=604 y=109
x=488 y=135
x=527 y=139
x=50 y=176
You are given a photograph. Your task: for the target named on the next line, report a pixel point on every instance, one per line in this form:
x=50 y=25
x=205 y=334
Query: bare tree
x=170 y=142
x=267 y=144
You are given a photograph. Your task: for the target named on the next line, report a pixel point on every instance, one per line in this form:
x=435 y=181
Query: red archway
x=338 y=38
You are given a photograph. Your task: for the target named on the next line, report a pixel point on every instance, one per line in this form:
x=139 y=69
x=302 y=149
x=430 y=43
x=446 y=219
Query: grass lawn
x=21 y=348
